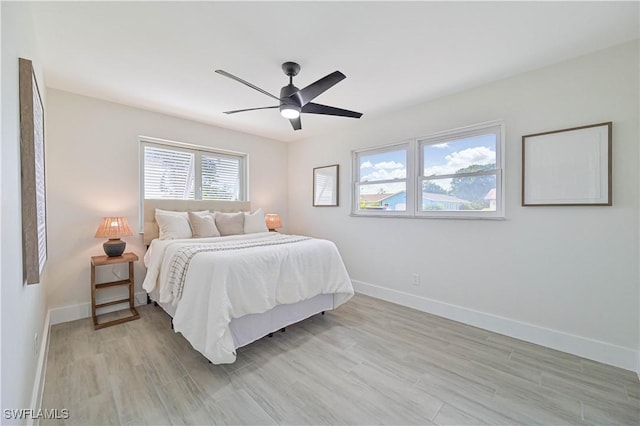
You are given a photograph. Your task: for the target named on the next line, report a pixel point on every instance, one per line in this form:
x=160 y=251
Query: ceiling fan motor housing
x=287 y=102
x=291 y=69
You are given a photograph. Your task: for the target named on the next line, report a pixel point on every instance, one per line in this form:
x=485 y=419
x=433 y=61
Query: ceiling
x=161 y=56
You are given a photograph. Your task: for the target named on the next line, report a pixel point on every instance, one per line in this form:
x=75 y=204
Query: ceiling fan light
x=290 y=112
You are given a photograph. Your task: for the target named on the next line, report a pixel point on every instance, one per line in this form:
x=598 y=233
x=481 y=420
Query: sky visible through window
x=384 y=166
x=439 y=159
x=457 y=156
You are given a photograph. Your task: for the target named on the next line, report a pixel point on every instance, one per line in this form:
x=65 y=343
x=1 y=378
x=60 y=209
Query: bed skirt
x=252 y=327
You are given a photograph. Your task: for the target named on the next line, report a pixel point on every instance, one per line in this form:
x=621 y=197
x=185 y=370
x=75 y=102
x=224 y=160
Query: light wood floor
x=368 y=362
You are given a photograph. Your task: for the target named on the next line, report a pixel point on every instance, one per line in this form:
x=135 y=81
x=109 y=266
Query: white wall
x=23 y=307
x=571 y=270
x=93 y=171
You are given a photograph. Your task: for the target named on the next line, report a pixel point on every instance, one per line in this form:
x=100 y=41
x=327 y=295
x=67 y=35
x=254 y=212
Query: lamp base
x=114 y=247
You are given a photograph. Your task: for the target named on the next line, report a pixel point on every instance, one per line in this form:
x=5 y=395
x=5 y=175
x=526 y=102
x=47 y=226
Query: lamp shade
x=113 y=227
x=273 y=221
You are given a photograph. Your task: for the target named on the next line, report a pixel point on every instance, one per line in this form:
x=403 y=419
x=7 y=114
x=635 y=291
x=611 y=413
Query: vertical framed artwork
x=325 y=186
x=570 y=167
x=32 y=160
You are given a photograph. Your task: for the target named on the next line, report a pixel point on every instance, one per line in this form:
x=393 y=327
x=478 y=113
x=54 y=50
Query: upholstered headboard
x=151 y=226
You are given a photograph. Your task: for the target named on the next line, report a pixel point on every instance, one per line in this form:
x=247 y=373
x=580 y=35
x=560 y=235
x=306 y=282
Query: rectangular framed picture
x=570 y=167
x=32 y=162
x=325 y=186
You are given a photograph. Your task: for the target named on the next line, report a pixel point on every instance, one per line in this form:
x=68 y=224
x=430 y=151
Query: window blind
x=168 y=174
x=220 y=178
x=175 y=172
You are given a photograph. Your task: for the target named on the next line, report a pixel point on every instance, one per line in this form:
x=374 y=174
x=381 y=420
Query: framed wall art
x=570 y=167
x=32 y=158
x=325 y=186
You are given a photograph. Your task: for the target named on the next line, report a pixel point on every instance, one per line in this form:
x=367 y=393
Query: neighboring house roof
x=376 y=198
x=442 y=198
x=491 y=195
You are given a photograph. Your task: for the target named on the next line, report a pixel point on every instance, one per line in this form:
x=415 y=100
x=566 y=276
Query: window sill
x=410 y=216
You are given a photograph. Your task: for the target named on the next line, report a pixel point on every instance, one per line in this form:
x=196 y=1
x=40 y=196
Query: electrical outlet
x=415 y=279
x=36 y=345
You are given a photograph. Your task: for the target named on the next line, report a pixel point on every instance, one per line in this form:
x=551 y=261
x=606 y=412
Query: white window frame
x=409 y=181
x=415 y=175
x=198 y=151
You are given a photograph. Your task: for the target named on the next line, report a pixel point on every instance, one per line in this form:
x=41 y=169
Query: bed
x=226 y=292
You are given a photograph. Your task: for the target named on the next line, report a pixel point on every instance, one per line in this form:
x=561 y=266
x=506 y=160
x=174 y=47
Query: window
x=458 y=174
x=186 y=172
x=381 y=180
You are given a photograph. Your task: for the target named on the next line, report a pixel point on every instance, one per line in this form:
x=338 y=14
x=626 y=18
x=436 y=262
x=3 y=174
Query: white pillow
x=203 y=225
x=229 y=223
x=254 y=222
x=174 y=225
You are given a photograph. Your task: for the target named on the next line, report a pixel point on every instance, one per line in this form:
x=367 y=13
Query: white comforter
x=226 y=284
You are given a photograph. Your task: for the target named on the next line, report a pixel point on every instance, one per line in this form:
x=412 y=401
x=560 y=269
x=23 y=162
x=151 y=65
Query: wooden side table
x=106 y=260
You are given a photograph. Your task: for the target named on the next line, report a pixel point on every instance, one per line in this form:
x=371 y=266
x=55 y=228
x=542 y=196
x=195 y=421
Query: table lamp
x=273 y=221
x=113 y=228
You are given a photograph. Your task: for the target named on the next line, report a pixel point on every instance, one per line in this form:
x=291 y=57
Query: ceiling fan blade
x=249 y=109
x=307 y=94
x=246 y=83
x=312 y=108
x=296 y=123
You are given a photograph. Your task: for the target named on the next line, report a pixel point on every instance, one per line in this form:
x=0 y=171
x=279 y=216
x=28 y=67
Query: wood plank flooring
x=368 y=362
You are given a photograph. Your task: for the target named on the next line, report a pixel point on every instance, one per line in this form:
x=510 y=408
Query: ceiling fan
x=294 y=101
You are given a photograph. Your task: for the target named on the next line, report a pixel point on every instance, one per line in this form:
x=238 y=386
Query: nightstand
x=103 y=261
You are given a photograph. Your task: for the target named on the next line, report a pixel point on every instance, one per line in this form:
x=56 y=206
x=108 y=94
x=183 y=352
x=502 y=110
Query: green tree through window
x=473 y=188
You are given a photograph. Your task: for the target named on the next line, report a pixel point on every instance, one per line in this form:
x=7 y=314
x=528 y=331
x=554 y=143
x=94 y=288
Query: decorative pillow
x=254 y=222
x=203 y=225
x=230 y=223
x=173 y=225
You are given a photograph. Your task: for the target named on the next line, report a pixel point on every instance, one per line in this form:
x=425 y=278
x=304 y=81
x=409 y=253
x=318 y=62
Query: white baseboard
x=83 y=310
x=596 y=350
x=41 y=368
